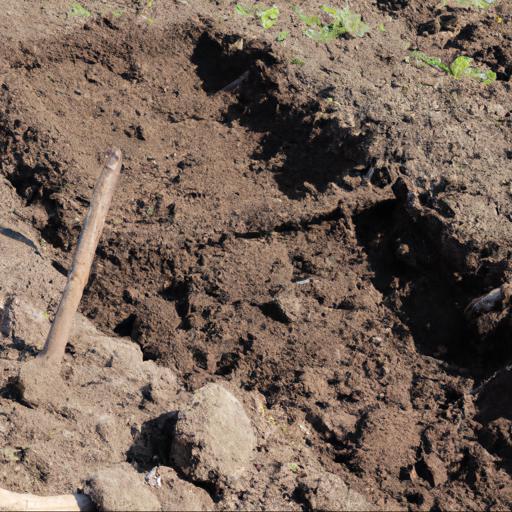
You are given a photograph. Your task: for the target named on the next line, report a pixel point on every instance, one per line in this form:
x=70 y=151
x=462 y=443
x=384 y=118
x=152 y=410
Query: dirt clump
x=120 y=488
x=213 y=440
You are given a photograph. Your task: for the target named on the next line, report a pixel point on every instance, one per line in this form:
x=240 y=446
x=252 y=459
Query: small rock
x=120 y=488
x=114 y=434
x=214 y=439
x=431 y=468
x=327 y=491
x=287 y=306
x=176 y=494
x=162 y=385
x=37 y=382
x=24 y=323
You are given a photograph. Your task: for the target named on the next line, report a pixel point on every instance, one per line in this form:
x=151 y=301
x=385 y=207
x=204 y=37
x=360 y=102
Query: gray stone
x=327 y=491
x=176 y=494
x=120 y=488
x=24 y=323
x=214 y=439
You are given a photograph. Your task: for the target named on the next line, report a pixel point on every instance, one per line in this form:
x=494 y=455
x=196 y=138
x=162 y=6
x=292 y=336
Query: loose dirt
x=310 y=239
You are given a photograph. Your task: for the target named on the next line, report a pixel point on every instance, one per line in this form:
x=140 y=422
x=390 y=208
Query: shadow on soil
x=303 y=149
x=424 y=292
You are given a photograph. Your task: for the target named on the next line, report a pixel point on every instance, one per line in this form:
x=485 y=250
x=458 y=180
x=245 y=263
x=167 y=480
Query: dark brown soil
x=314 y=236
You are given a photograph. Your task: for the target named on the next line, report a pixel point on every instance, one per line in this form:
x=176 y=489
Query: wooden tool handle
x=55 y=345
x=16 y=502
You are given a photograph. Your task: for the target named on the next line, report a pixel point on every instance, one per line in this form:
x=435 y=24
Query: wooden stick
x=29 y=502
x=55 y=345
x=235 y=84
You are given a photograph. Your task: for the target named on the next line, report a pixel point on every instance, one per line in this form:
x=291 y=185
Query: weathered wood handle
x=29 y=502
x=55 y=345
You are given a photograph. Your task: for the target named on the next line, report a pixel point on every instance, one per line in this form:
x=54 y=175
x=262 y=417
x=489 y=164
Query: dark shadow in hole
x=302 y=149
x=217 y=66
x=152 y=445
x=416 y=284
x=178 y=293
x=125 y=327
x=33 y=184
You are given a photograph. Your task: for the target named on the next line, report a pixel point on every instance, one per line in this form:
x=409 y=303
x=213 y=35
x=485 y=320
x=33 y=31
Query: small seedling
x=297 y=61
x=294 y=468
x=117 y=13
x=309 y=21
x=268 y=16
x=282 y=36
x=344 y=21
x=243 y=11
x=79 y=11
x=381 y=27
x=459 y=68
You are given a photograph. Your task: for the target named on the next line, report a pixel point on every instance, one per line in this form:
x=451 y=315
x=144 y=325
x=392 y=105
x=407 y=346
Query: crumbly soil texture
x=304 y=223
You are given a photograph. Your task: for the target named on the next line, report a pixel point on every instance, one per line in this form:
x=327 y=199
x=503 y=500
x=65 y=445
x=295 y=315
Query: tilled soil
x=314 y=235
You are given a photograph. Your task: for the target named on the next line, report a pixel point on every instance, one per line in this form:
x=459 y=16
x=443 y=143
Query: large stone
x=120 y=488
x=214 y=439
x=24 y=323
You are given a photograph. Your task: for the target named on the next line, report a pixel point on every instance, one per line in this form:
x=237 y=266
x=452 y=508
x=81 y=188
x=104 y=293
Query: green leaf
x=294 y=468
x=79 y=11
x=325 y=34
x=242 y=10
x=282 y=36
x=486 y=77
x=459 y=66
x=381 y=27
x=435 y=62
x=269 y=17
x=330 y=10
x=297 y=61
x=309 y=21
x=353 y=23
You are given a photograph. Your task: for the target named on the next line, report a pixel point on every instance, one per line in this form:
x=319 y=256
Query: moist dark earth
x=313 y=236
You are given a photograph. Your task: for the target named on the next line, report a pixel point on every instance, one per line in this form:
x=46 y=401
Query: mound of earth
x=297 y=234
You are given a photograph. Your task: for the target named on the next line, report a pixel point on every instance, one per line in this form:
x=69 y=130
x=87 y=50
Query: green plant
x=344 y=21
x=459 y=68
x=243 y=11
x=309 y=21
x=297 y=61
x=282 y=36
x=294 y=468
x=268 y=16
x=79 y=11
